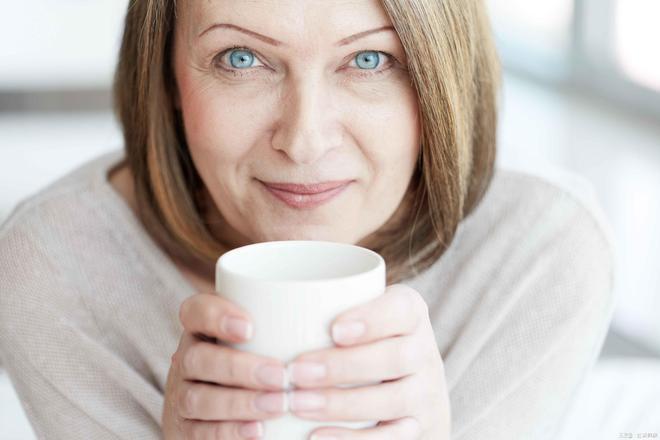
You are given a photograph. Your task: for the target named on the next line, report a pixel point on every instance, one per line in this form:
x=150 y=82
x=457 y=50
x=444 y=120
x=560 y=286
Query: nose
x=308 y=126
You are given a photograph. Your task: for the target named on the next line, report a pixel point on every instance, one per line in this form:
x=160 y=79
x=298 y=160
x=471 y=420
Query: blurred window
x=608 y=47
x=637 y=37
x=59 y=44
x=539 y=26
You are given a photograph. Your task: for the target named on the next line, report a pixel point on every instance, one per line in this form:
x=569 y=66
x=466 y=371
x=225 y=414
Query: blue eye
x=241 y=63
x=367 y=60
x=241 y=58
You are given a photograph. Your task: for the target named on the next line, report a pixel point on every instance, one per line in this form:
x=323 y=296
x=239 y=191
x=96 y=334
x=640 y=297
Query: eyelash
x=242 y=73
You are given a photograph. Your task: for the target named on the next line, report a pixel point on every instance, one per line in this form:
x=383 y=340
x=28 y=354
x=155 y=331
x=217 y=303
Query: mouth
x=305 y=196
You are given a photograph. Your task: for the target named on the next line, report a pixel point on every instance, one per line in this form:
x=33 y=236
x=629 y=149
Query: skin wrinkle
x=304 y=119
x=274 y=42
x=457 y=104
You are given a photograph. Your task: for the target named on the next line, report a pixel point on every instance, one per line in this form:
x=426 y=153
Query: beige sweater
x=520 y=305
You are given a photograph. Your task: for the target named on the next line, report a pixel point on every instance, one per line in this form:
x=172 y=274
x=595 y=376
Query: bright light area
x=14 y=422
x=543 y=26
x=46 y=44
x=637 y=39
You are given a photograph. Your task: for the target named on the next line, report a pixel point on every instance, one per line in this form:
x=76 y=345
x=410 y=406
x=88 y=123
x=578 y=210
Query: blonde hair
x=453 y=67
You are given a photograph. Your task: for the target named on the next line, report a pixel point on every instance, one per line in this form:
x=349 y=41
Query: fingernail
x=306 y=371
x=306 y=400
x=347 y=331
x=271 y=402
x=251 y=430
x=272 y=375
x=237 y=327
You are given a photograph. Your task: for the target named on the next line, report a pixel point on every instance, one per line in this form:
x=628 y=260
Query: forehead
x=286 y=20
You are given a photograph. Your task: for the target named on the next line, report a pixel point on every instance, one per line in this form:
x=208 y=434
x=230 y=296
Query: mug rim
x=223 y=264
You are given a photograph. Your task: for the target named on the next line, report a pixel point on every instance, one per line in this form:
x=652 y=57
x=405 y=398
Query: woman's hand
x=211 y=389
x=397 y=347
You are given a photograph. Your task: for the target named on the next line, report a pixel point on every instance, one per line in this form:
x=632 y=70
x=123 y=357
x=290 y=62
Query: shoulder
x=46 y=217
x=540 y=238
x=84 y=178
x=528 y=283
x=61 y=195
x=44 y=241
x=553 y=209
x=37 y=295
x=554 y=214
x=554 y=221
x=544 y=211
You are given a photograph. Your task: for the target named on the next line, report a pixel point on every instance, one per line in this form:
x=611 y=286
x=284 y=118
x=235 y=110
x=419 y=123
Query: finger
x=214 y=316
x=195 y=429
x=404 y=428
x=185 y=341
x=370 y=402
x=208 y=362
x=396 y=312
x=203 y=401
x=385 y=359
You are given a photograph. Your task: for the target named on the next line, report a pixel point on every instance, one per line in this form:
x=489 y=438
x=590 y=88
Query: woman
x=235 y=114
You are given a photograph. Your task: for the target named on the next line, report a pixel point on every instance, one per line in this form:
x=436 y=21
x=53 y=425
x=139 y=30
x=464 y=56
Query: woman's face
x=309 y=96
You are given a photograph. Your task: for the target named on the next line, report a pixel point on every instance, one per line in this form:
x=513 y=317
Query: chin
x=305 y=232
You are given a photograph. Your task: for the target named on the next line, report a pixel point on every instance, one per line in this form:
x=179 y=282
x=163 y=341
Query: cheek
x=220 y=129
x=388 y=129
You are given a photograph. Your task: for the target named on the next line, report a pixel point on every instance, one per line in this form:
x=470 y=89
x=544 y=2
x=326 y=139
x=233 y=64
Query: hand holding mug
x=387 y=382
x=215 y=391
x=390 y=340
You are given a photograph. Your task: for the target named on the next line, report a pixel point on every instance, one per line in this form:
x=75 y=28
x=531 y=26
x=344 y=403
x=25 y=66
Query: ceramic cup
x=293 y=290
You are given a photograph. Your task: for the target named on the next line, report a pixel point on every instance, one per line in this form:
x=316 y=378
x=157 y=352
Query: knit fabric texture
x=520 y=304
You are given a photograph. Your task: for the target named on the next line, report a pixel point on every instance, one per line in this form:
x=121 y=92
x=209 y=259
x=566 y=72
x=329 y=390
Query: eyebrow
x=274 y=42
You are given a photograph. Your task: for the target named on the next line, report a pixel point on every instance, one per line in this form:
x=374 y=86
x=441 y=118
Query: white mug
x=293 y=290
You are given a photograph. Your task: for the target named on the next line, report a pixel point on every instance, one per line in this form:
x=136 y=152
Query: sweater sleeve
x=539 y=328
x=71 y=383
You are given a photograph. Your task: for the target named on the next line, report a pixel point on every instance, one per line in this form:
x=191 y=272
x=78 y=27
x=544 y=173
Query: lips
x=313 y=188
x=306 y=196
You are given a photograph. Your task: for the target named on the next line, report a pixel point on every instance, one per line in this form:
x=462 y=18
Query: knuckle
x=336 y=365
x=210 y=320
x=188 y=429
x=409 y=358
x=187 y=402
x=229 y=367
x=409 y=427
x=189 y=362
x=239 y=404
x=411 y=395
x=405 y=403
x=338 y=400
x=196 y=430
x=398 y=359
x=183 y=311
x=223 y=365
x=199 y=431
x=220 y=431
x=233 y=368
